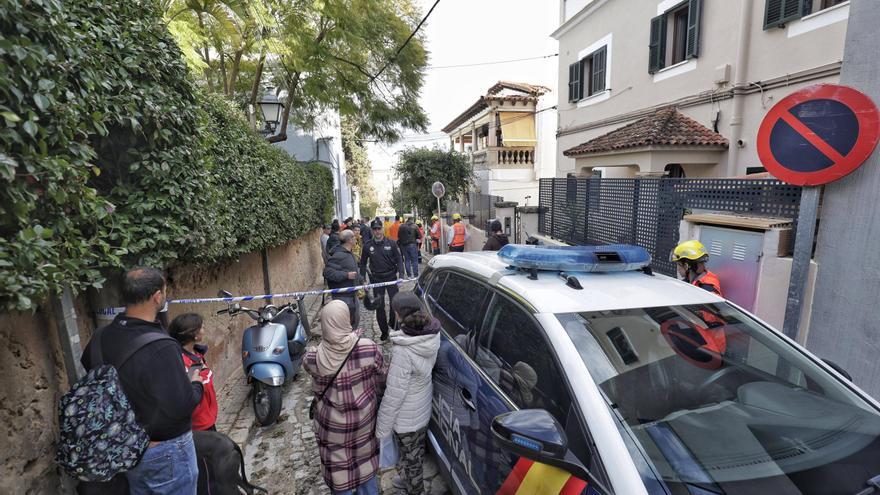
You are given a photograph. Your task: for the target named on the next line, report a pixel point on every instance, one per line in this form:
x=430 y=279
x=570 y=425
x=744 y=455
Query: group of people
x=167 y=382
x=363 y=401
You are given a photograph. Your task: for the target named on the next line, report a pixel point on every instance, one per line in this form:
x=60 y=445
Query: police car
x=577 y=370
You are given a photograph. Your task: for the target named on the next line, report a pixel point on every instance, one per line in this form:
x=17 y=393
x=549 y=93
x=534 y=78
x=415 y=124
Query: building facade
x=509 y=135
x=679 y=88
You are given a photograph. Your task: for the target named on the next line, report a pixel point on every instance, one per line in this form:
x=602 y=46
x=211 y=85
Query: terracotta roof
x=532 y=92
x=666 y=127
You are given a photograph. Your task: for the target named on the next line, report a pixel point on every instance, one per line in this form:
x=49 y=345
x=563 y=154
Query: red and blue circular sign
x=818 y=134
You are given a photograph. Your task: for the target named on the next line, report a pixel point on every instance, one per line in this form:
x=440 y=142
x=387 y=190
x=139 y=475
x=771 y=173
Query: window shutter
x=599 y=68
x=692 y=50
x=778 y=12
x=657 y=44
x=573 y=81
x=582 y=80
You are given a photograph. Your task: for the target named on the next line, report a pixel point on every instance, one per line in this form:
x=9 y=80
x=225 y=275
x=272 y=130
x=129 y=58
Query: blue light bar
x=611 y=258
x=525 y=442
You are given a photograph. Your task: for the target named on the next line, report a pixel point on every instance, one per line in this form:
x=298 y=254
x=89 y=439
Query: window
x=586 y=77
x=675 y=36
x=778 y=12
x=459 y=304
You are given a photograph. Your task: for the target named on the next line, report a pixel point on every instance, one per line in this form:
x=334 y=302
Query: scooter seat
x=290 y=320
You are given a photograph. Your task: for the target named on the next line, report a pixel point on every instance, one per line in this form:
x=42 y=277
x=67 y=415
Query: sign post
x=814 y=136
x=438 y=190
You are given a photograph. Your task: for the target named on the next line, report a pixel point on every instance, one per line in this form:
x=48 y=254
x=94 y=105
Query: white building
x=324 y=145
x=679 y=88
x=509 y=135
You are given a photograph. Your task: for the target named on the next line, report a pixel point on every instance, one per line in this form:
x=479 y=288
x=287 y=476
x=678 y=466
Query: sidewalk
x=283 y=458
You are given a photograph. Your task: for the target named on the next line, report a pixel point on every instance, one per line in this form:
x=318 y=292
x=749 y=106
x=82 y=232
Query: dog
x=221 y=465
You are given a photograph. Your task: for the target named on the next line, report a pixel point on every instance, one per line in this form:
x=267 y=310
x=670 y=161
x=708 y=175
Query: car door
x=457 y=302
x=517 y=370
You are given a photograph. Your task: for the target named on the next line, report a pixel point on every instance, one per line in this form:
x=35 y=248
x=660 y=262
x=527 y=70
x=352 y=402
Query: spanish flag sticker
x=532 y=478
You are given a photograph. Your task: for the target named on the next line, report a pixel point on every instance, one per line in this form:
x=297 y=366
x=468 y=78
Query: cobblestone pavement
x=283 y=458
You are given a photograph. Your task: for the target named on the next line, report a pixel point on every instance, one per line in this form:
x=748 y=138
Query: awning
x=518 y=128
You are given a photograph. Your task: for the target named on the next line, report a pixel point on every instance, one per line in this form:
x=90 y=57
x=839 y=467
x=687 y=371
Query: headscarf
x=337 y=337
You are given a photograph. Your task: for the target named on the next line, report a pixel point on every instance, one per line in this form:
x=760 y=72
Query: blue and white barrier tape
x=114 y=311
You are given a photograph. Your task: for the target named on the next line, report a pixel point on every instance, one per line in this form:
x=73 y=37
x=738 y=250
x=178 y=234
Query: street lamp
x=271 y=107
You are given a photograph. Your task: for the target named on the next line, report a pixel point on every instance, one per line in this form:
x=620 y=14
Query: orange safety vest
x=394 y=230
x=458 y=237
x=709 y=281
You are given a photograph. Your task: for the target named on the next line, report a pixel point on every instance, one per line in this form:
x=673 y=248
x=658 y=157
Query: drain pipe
x=740 y=82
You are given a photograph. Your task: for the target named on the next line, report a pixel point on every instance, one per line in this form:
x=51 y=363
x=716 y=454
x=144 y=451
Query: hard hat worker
x=690 y=258
x=435 y=234
x=459 y=236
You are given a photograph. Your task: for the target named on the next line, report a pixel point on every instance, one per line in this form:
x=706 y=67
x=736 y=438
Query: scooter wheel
x=267 y=403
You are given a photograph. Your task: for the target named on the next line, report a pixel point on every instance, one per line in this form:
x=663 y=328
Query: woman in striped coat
x=345 y=419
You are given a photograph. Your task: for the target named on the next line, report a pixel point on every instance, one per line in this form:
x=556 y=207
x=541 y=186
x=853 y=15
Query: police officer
x=382 y=258
x=690 y=258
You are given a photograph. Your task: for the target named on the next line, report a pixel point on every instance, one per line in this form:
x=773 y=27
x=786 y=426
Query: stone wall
x=32 y=376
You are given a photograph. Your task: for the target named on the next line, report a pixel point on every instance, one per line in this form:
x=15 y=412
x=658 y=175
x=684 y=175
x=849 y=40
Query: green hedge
x=110 y=157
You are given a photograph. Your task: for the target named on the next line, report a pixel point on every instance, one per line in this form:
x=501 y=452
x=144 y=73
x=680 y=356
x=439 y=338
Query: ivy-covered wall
x=109 y=156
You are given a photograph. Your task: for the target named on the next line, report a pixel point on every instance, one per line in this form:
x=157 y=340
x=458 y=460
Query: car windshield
x=710 y=401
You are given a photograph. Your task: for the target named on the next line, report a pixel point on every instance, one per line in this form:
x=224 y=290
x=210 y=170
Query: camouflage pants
x=412 y=456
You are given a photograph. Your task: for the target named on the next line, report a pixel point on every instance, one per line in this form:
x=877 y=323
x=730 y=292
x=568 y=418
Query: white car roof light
x=595 y=259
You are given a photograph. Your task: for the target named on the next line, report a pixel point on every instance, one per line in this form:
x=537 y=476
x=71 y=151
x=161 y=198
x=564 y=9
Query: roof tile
x=666 y=127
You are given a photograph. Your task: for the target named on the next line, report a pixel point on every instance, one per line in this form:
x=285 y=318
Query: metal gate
x=648 y=211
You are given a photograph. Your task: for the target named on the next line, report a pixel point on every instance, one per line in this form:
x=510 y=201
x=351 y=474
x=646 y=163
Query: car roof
x=601 y=291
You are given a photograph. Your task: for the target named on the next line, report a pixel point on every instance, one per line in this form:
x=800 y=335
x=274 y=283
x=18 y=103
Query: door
x=457 y=301
x=734 y=255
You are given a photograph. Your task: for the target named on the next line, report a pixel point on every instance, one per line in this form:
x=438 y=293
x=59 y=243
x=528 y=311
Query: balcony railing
x=504 y=157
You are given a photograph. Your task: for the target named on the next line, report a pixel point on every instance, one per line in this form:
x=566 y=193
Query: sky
x=472 y=32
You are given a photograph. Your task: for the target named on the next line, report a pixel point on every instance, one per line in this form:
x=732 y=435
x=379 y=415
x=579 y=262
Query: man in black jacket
x=382 y=257
x=497 y=238
x=341 y=271
x=156 y=383
x=333 y=239
x=407 y=238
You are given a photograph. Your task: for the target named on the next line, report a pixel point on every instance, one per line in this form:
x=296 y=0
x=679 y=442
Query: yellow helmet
x=456 y=216
x=690 y=251
x=435 y=217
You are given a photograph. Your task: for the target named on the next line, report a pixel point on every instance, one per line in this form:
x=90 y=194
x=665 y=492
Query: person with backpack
x=406 y=405
x=161 y=393
x=188 y=329
x=347 y=373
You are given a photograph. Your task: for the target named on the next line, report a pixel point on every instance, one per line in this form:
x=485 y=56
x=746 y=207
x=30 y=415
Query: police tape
x=110 y=312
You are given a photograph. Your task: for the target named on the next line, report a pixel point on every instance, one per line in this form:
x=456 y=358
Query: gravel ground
x=283 y=458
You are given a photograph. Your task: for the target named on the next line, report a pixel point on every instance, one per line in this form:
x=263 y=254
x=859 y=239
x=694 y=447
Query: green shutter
x=778 y=12
x=598 y=69
x=573 y=81
x=692 y=49
x=657 y=44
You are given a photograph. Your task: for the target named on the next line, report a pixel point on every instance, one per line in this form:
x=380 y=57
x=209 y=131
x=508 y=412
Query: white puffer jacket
x=406 y=405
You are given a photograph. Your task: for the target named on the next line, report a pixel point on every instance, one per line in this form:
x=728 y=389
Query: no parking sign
x=818 y=134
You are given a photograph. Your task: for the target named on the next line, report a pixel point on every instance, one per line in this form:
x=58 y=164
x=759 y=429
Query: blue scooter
x=272 y=352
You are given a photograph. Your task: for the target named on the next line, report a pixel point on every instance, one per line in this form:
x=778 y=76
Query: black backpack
x=99 y=434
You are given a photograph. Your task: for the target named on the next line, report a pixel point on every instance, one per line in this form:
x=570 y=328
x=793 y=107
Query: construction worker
x=435 y=234
x=690 y=258
x=394 y=230
x=459 y=234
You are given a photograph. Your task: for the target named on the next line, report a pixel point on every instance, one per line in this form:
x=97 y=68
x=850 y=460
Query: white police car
x=629 y=383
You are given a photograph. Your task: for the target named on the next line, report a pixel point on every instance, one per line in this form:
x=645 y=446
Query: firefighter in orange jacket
x=690 y=258
x=435 y=234
x=459 y=235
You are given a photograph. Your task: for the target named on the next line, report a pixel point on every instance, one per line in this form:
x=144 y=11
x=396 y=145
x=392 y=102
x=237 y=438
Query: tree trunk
x=206 y=56
x=223 y=73
x=233 y=74
x=257 y=78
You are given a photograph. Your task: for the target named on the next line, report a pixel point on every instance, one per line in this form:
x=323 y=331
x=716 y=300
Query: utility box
x=751 y=256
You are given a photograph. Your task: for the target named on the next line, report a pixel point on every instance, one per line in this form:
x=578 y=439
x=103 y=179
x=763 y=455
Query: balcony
x=495 y=157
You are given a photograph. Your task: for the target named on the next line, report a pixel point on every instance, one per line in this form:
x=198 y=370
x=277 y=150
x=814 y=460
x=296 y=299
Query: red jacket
x=205 y=414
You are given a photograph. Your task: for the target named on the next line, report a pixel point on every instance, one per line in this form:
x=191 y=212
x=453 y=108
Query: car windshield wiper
x=873 y=486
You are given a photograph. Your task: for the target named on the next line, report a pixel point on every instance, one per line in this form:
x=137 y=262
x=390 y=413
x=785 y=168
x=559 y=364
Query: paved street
x=283 y=458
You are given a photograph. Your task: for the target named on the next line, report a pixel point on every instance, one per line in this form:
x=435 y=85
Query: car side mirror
x=536 y=435
x=836 y=367
x=224 y=293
